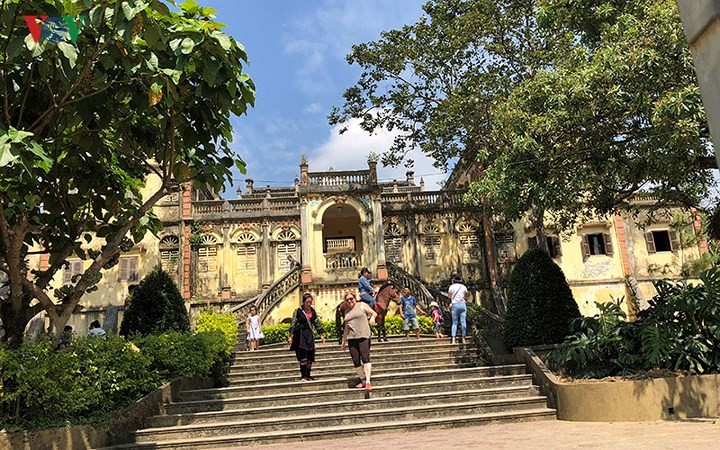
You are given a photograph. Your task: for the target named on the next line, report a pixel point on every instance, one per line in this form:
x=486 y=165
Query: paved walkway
x=537 y=435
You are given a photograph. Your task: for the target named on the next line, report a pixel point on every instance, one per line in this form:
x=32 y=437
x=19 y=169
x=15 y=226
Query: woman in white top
x=458 y=293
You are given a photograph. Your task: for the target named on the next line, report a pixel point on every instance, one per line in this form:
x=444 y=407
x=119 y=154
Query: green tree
x=155 y=306
x=619 y=113
x=540 y=303
x=141 y=91
x=435 y=81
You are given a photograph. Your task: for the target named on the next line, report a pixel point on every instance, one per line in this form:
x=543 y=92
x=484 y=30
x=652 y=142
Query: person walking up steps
x=301 y=339
x=356 y=336
x=437 y=319
x=458 y=293
x=409 y=304
x=254 y=333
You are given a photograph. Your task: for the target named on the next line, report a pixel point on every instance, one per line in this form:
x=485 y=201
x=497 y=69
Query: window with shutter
x=207 y=259
x=596 y=244
x=469 y=244
x=393 y=249
x=69 y=273
x=674 y=241
x=432 y=245
x=283 y=251
x=554 y=246
x=661 y=240
x=128 y=269
x=169 y=260
x=247 y=258
x=650 y=242
x=608 y=244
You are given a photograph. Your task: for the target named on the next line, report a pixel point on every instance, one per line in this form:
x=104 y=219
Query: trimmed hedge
x=155 y=306
x=540 y=303
x=94 y=378
x=393 y=324
x=224 y=322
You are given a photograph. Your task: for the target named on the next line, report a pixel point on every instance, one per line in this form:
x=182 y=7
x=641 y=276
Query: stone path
x=539 y=435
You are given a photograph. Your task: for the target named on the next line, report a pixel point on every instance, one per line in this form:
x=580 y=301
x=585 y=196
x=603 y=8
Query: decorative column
x=382 y=273
x=227 y=262
x=186 y=215
x=306 y=274
x=265 y=255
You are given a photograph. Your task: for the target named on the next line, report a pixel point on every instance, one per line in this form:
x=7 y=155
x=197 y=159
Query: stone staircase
x=417 y=385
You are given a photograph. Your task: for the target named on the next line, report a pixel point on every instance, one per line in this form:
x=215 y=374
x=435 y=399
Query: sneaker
x=309 y=379
x=303 y=379
x=368 y=386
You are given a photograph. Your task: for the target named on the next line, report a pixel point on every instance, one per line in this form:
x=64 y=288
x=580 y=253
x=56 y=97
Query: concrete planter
x=115 y=432
x=626 y=401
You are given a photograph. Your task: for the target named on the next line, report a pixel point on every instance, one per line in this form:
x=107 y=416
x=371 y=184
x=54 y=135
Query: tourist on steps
x=301 y=339
x=254 y=332
x=356 y=336
x=367 y=293
x=409 y=304
x=458 y=293
x=437 y=319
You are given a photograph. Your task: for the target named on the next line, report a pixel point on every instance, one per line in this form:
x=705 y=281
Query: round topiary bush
x=155 y=306
x=540 y=304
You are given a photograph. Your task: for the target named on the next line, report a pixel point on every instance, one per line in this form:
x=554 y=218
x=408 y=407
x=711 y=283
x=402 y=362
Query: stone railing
x=346 y=260
x=265 y=302
x=339 y=178
x=336 y=245
x=423 y=294
x=435 y=199
x=244 y=207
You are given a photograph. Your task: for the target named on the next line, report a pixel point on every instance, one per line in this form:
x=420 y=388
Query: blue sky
x=297 y=59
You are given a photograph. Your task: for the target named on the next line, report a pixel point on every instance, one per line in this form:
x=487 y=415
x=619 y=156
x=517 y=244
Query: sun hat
x=434 y=304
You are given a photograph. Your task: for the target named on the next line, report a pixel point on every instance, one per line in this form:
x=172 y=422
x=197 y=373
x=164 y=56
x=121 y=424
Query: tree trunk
x=538 y=222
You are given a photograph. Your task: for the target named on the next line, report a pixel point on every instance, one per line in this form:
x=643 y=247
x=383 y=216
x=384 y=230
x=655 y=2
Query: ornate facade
x=270 y=244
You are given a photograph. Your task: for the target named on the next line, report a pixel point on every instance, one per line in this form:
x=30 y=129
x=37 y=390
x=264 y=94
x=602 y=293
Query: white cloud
x=349 y=151
x=313 y=108
x=326 y=34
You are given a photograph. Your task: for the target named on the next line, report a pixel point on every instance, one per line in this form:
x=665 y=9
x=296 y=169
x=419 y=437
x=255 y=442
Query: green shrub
x=540 y=303
x=44 y=387
x=226 y=323
x=155 y=306
x=393 y=324
x=94 y=378
x=679 y=331
x=274 y=334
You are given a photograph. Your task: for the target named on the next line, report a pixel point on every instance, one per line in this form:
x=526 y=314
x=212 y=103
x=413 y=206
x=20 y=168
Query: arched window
x=287 y=246
x=207 y=254
x=393 y=244
x=431 y=243
x=247 y=253
x=170 y=254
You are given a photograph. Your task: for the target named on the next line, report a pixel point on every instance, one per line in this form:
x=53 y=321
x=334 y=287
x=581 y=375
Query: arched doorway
x=342 y=237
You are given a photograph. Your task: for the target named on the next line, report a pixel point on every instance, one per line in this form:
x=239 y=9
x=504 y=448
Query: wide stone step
x=391 y=389
x=340 y=382
x=340 y=406
x=314 y=420
x=287 y=361
x=402 y=348
x=395 y=341
x=345 y=371
x=341 y=431
x=292 y=369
